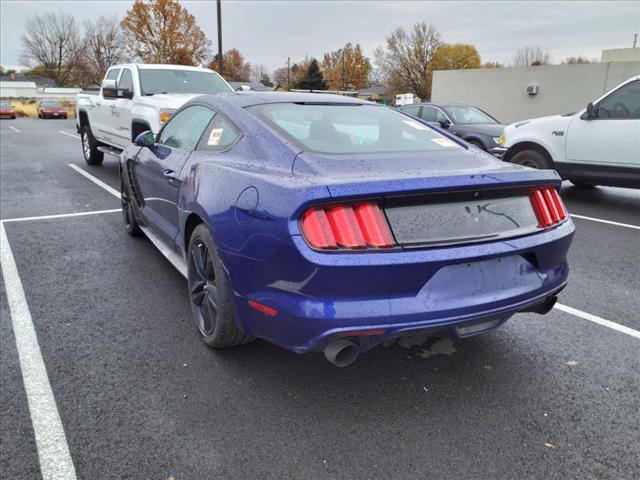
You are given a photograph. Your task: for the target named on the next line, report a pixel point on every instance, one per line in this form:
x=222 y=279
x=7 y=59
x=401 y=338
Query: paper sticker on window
x=214 y=136
x=416 y=125
x=443 y=142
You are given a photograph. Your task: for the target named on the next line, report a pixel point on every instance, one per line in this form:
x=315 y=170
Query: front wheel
x=210 y=294
x=532 y=158
x=92 y=155
x=128 y=213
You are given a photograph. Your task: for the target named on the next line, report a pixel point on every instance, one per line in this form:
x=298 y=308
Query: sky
x=267 y=32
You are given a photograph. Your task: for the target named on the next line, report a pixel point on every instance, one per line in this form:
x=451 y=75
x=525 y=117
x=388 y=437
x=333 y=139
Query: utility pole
x=635 y=40
x=288 y=73
x=220 y=62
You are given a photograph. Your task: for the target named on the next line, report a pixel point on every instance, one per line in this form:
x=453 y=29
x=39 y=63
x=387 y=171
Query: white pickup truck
x=599 y=145
x=134 y=98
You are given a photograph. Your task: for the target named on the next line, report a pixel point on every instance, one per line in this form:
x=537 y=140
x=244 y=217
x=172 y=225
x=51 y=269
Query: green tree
x=266 y=81
x=313 y=78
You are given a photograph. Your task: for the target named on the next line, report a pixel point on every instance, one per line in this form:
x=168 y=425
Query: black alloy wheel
x=128 y=213
x=202 y=288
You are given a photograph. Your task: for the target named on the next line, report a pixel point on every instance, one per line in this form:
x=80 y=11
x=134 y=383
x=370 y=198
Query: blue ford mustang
x=325 y=223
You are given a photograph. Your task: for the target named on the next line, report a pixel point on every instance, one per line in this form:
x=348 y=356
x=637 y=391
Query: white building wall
x=502 y=91
x=17 y=89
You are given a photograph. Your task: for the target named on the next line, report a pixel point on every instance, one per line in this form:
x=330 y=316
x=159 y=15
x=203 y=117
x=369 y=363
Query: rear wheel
x=90 y=147
x=210 y=294
x=531 y=158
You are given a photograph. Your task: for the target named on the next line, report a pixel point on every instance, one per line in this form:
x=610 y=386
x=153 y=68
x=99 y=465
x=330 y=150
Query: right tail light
x=547 y=206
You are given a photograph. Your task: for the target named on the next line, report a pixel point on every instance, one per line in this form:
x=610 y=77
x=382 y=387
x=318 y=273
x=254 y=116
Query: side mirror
x=109 y=88
x=124 y=93
x=444 y=123
x=591 y=113
x=146 y=139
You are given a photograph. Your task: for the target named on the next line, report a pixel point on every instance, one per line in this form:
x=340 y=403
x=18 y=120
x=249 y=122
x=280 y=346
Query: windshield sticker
x=443 y=142
x=416 y=125
x=214 y=136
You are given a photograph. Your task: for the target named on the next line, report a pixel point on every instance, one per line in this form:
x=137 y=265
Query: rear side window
x=221 y=135
x=185 y=128
x=432 y=114
x=350 y=128
x=412 y=110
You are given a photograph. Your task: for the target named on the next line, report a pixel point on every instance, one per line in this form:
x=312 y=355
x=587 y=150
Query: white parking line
x=51 y=442
x=598 y=320
x=564 y=308
x=95 y=180
x=618 y=224
x=60 y=215
x=14 y=129
x=72 y=135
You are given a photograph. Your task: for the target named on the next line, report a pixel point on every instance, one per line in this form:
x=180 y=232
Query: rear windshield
x=5 y=105
x=154 y=81
x=51 y=104
x=350 y=128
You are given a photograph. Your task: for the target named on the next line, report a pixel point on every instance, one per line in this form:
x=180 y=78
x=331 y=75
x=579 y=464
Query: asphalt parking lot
x=137 y=395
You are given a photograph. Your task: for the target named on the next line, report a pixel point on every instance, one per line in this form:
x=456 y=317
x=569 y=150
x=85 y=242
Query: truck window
x=113 y=74
x=126 y=80
x=156 y=81
x=624 y=103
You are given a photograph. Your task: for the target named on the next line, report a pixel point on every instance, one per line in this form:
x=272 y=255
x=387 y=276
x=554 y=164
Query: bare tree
x=527 y=56
x=104 y=46
x=53 y=41
x=405 y=60
x=258 y=71
x=577 y=60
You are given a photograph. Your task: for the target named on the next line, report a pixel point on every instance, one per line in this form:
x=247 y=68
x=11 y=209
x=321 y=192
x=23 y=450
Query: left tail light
x=547 y=206
x=353 y=226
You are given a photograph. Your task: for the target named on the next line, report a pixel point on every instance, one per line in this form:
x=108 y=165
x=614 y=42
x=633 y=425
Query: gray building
x=516 y=93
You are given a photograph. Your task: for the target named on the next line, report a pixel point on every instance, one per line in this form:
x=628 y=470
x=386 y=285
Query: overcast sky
x=267 y=32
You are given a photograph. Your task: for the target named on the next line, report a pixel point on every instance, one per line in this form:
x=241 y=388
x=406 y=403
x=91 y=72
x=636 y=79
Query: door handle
x=171 y=177
x=112 y=106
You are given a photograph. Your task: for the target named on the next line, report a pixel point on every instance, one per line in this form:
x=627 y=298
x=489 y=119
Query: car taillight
x=548 y=206
x=354 y=226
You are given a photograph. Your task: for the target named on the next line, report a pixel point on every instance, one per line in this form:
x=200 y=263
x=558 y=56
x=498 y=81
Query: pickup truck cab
x=599 y=145
x=134 y=98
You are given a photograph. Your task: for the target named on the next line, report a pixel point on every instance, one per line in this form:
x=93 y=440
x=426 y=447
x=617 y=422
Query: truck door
x=120 y=114
x=100 y=118
x=612 y=137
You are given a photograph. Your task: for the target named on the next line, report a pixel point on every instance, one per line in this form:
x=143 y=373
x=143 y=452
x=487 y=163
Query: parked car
x=7 y=110
x=327 y=223
x=51 y=109
x=466 y=121
x=599 y=145
x=135 y=98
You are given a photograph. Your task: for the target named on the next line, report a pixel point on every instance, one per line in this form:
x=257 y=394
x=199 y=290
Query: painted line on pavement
x=60 y=215
x=618 y=224
x=599 y=320
x=95 y=180
x=14 y=129
x=72 y=135
x=51 y=442
x=564 y=308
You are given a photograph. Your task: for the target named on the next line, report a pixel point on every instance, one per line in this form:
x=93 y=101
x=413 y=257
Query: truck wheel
x=90 y=148
x=532 y=158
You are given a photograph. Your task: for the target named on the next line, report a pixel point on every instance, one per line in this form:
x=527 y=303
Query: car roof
x=247 y=99
x=446 y=104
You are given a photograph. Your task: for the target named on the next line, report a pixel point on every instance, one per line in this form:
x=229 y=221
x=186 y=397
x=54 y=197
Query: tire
x=210 y=294
x=532 y=158
x=90 y=147
x=128 y=211
x=581 y=184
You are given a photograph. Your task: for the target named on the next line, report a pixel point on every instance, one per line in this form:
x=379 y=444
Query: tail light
x=548 y=206
x=356 y=226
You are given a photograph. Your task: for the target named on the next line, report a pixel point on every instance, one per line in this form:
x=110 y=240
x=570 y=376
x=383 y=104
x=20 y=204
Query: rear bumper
x=319 y=296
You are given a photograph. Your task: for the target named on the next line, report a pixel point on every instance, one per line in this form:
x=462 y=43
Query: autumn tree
x=312 y=79
x=346 y=68
x=528 y=56
x=234 y=67
x=281 y=76
x=104 y=46
x=456 y=56
x=52 y=40
x=406 y=58
x=163 y=31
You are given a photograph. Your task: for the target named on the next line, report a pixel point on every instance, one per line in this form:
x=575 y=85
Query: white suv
x=599 y=145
